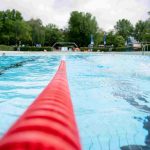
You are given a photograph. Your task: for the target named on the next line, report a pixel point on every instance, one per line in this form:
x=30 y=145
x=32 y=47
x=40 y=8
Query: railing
x=144 y=47
x=64 y=43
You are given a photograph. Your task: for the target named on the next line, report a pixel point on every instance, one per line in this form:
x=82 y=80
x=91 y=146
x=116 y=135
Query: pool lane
x=111 y=97
x=19 y=86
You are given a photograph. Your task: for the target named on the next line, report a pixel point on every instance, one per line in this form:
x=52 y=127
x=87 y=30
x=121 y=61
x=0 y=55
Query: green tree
x=53 y=34
x=124 y=28
x=119 y=41
x=142 y=30
x=115 y=39
x=147 y=32
x=110 y=38
x=81 y=26
x=37 y=31
x=146 y=36
x=98 y=39
x=22 y=31
x=7 y=20
x=1 y=21
x=12 y=27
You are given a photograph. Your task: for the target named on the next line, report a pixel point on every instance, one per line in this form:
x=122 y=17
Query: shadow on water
x=146 y=126
x=16 y=65
x=133 y=97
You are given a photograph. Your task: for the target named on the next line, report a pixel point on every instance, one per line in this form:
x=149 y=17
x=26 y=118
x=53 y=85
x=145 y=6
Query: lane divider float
x=48 y=123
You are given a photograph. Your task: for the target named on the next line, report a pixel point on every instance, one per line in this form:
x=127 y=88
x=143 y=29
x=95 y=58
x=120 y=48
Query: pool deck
x=54 y=52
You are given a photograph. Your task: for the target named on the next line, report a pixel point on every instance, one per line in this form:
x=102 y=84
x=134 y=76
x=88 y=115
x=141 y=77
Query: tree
x=22 y=30
x=124 y=28
x=146 y=36
x=7 y=19
x=37 y=31
x=81 y=26
x=98 y=39
x=110 y=38
x=142 y=30
x=53 y=34
x=147 y=30
x=12 y=27
x=119 y=41
x=1 y=21
x=115 y=39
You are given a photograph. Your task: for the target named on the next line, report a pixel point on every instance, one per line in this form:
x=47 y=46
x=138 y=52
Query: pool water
x=110 y=95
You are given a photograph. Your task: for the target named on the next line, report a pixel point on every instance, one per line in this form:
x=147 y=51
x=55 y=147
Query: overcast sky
x=107 y=12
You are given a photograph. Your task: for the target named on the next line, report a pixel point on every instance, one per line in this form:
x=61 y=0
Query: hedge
x=120 y=49
x=6 y=48
x=95 y=49
x=83 y=48
x=117 y=49
x=26 y=48
x=31 y=48
x=103 y=49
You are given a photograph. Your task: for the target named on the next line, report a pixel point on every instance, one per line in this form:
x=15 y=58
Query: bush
x=31 y=48
x=107 y=49
x=84 y=49
x=104 y=49
x=119 y=41
x=121 y=49
x=95 y=49
x=6 y=48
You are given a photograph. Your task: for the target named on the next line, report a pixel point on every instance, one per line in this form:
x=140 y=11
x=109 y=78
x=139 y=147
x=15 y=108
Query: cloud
x=107 y=12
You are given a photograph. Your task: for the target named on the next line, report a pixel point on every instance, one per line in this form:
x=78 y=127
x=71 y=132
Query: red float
x=48 y=123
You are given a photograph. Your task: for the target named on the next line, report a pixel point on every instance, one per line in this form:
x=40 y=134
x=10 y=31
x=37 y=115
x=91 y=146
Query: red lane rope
x=48 y=123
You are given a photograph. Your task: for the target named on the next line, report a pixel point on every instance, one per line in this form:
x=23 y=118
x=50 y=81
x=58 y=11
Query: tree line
x=14 y=30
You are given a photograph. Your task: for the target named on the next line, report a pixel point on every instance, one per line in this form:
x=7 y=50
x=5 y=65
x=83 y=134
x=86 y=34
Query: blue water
x=110 y=94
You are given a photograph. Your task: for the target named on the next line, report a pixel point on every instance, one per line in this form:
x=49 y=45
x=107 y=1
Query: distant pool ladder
x=144 y=48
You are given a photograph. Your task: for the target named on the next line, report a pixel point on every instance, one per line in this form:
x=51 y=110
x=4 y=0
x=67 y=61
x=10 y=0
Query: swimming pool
x=110 y=94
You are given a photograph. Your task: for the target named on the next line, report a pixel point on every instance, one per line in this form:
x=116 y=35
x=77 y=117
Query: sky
x=107 y=12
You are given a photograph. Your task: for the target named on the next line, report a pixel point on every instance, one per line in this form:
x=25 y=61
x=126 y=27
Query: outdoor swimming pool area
x=110 y=94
